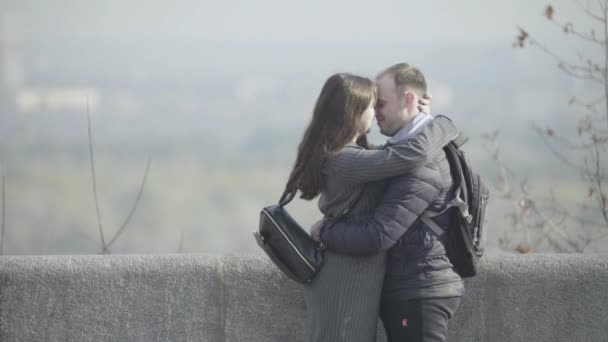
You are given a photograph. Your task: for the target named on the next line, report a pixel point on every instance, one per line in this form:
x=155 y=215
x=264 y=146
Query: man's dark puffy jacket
x=417 y=266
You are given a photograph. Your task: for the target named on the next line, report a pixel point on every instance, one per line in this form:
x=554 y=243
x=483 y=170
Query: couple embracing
x=381 y=260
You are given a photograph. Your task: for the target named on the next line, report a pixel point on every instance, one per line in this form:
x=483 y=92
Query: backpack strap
x=438 y=231
x=463 y=208
x=456 y=202
x=451 y=151
x=460 y=140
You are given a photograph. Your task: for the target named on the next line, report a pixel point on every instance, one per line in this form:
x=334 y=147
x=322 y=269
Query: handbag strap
x=286 y=197
x=347 y=210
x=344 y=214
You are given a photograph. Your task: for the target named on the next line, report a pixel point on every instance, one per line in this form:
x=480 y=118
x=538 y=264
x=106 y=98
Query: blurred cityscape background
x=217 y=95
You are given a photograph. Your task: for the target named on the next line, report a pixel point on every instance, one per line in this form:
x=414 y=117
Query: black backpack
x=465 y=239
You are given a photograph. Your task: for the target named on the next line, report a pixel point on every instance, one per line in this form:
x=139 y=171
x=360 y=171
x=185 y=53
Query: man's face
x=391 y=110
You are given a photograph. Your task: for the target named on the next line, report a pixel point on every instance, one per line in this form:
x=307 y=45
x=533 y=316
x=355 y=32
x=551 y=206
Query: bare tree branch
x=601 y=195
x=601 y=236
x=589 y=13
x=589 y=68
x=588 y=38
x=561 y=156
x=582 y=76
x=603 y=7
x=563 y=65
x=552 y=218
x=504 y=173
x=568 y=68
x=597 y=101
x=546 y=50
x=590 y=106
x=133 y=207
x=94 y=178
x=3 y=215
x=565 y=143
x=579 y=219
x=180 y=246
x=569 y=28
x=605 y=56
x=551 y=227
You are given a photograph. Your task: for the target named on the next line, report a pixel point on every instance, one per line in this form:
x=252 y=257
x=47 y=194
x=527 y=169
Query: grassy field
x=50 y=207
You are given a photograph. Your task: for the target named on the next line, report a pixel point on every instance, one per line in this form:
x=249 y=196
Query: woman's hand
x=424 y=104
x=315 y=230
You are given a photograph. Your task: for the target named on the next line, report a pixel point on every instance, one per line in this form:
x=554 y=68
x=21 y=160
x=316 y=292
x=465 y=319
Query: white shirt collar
x=411 y=128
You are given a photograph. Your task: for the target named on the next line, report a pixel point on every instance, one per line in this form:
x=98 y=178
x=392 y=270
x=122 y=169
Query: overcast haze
x=442 y=22
x=218 y=95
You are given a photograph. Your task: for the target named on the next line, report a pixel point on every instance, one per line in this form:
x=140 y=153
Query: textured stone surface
x=536 y=298
x=110 y=298
x=227 y=298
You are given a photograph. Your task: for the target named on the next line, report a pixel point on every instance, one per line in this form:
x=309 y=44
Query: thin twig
x=94 y=178
x=585 y=76
x=585 y=221
x=601 y=236
x=561 y=156
x=504 y=172
x=552 y=149
x=605 y=57
x=598 y=178
x=597 y=101
x=563 y=65
x=583 y=36
x=554 y=221
x=570 y=145
x=3 y=215
x=589 y=13
x=546 y=50
x=590 y=106
x=180 y=246
x=588 y=68
x=133 y=208
x=553 y=227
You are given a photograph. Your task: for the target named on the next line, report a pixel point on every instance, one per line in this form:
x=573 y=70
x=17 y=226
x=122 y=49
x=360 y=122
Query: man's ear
x=409 y=100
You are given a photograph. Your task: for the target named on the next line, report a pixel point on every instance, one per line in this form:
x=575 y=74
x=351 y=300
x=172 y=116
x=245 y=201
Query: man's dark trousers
x=418 y=320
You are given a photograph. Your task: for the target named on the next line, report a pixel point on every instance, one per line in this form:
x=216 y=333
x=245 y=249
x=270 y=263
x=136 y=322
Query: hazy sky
x=439 y=21
x=171 y=70
x=454 y=42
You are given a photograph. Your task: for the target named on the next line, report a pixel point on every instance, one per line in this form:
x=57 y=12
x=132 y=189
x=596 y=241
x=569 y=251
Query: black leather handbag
x=287 y=244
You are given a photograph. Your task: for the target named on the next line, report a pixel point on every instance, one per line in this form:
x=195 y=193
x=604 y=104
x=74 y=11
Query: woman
x=334 y=161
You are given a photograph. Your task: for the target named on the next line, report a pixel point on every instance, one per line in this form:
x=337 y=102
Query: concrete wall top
x=245 y=298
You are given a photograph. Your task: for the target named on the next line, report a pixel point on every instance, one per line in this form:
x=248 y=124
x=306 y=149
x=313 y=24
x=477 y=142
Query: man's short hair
x=406 y=77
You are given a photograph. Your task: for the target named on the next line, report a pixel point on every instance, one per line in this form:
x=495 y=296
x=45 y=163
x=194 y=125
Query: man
x=421 y=289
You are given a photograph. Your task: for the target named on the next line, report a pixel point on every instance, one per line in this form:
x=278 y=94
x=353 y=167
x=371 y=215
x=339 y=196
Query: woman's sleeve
x=361 y=165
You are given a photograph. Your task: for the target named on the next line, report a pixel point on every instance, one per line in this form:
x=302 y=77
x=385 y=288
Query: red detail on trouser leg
x=404 y=322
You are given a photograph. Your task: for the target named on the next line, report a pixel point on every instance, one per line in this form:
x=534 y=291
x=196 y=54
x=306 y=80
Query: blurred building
x=11 y=59
x=15 y=92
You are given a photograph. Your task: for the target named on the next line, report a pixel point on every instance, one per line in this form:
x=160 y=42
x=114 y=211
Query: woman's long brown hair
x=335 y=122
